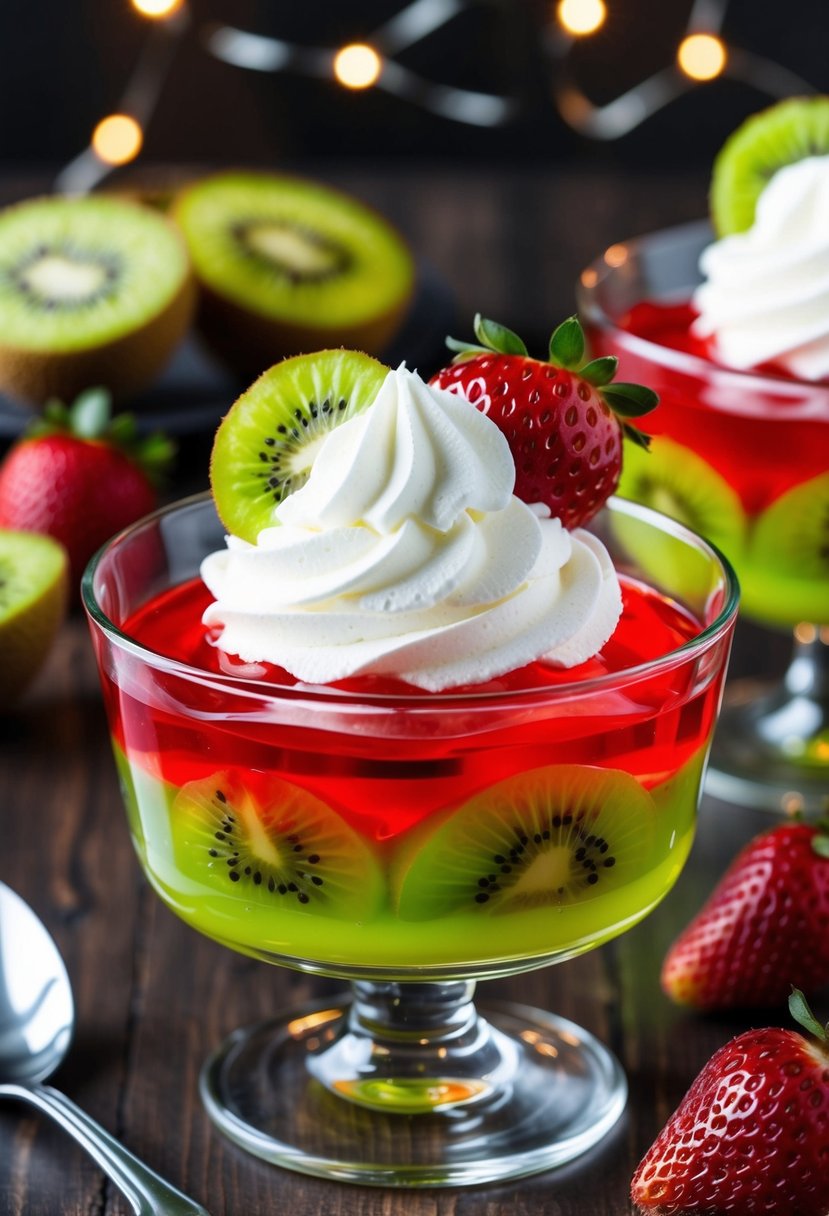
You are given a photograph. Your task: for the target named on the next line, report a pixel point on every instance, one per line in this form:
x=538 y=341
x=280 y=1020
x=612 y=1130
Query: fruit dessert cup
x=742 y=457
x=411 y=842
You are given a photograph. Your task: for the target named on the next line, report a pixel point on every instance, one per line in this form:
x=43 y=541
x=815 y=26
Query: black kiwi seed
x=287 y=467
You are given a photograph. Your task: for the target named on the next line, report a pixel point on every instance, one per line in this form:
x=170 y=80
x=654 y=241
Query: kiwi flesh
x=33 y=596
x=92 y=291
x=266 y=444
x=287 y=265
x=544 y=839
x=786 y=573
x=676 y=481
x=778 y=136
x=276 y=848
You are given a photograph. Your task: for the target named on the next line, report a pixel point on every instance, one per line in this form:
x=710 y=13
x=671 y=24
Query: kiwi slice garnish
x=92 y=291
x=33 y=593
x=781 y=135
x=786 y=576
x=288 y=265
x=266 y=444
x=544 y=839
x=279 y=848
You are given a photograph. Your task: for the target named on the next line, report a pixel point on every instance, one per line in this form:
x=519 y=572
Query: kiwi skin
x=248 y=342
x=125 y=365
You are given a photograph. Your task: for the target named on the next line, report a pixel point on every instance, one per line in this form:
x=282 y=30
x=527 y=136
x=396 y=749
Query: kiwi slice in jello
x=288 y=265
x=267 y=442
x=92 y=291
x=781 y=135
x=787 y=564
x=33 y=591
x=276 y=847
x=676 y=481
x=544 y=839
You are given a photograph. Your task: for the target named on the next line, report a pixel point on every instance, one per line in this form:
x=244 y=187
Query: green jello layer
x=349 y=905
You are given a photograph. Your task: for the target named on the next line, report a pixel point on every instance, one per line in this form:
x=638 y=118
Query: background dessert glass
x=424 y=803
x=763 y=492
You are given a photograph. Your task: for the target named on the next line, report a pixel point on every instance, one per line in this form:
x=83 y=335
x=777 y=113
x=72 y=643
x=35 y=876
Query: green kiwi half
x=545 y=839
x=287 y=265
x=33 y=592
x=92 y=291
x=266 y=444
x=278 y=849
x=781 y=135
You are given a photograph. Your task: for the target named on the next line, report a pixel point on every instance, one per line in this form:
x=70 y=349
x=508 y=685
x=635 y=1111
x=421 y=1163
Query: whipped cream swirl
x=766 y=298
x=406 y=554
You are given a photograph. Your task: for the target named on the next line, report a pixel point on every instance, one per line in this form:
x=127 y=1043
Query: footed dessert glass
x=411 y=844
x=743 y=457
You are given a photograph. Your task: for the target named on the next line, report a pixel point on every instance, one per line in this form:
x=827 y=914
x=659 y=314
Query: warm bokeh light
x=581 y=17
x=117 y=139
x=616 y=255
x=701 y=56
x=157 y=8
x=357 y=66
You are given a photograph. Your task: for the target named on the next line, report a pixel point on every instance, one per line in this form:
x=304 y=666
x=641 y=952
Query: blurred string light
x=701 y=55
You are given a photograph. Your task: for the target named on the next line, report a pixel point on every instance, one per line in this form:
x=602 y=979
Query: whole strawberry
x=564 y=419
x=80 y=476
x=751 y=1135
x=763 y=929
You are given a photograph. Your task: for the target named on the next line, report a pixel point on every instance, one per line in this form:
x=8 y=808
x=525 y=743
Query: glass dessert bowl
x=744 y=455
x=412 y=842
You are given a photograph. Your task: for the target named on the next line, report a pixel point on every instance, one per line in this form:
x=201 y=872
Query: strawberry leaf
x=630 y=400
x=567 y=344
x=636 y=436
x=600 y=371
x=800 y=1011
x=465 y=349
x=497 y=337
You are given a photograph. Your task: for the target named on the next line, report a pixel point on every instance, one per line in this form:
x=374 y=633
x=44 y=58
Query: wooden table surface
x=152 y=996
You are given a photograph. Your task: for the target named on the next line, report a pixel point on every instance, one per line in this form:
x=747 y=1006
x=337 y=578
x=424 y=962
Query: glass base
x=408 y=1085
x=771 y=749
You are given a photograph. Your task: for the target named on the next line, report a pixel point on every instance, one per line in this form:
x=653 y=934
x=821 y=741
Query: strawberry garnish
x=564 y=419
x=80 y=475
x=750 y=1136
x=763 y=929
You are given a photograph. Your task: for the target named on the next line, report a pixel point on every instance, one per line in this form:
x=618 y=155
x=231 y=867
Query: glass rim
x=422 y=700
x=592 y=311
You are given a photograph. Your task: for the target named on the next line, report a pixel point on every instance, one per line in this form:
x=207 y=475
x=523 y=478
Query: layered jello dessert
x=731 y=327
x=379 y=716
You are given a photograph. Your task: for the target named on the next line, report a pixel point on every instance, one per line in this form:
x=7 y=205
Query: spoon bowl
x=37 y=1018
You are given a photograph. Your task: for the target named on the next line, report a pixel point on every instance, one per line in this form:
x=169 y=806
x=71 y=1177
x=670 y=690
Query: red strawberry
x=564 y=420
x=80 y=477
x=764 y=928
x=751 y=1135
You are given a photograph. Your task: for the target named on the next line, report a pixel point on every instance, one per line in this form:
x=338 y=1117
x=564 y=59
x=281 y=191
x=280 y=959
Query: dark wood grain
x=152 y=996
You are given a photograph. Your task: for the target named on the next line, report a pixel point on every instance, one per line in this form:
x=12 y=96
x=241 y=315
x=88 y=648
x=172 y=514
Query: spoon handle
x=146 y=1191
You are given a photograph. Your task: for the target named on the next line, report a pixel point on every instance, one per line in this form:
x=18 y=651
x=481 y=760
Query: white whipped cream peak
x=766 y=294
x=406 y=554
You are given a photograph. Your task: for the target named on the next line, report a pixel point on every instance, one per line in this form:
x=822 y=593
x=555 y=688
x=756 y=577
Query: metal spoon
x=37 y=1017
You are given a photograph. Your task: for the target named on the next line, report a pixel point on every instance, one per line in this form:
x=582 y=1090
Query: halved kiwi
x=287 y=265
x=92 y=291
x=33 y=595
x=786 y=575
x=544 y=839
x=274 y=849
x=266 y=444
x=781 y=135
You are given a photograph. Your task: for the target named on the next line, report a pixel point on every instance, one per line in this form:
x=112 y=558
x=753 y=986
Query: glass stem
x=412 y=1048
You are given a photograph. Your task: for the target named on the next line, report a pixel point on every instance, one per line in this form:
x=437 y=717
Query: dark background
x=63 y=65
